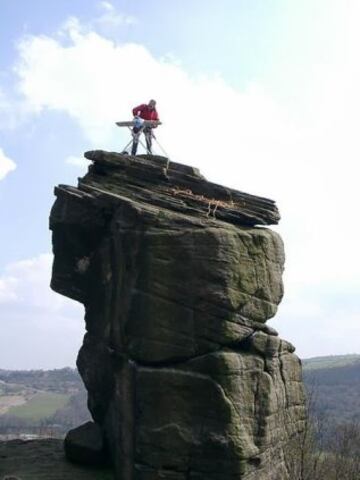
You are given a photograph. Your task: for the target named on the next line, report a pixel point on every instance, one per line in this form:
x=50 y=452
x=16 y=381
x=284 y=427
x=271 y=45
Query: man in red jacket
x=144 y=112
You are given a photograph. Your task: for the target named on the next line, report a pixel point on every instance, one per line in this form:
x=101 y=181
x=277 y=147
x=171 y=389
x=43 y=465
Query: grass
x=41 y=405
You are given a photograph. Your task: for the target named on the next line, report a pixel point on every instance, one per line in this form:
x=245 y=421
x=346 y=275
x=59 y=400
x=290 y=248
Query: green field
x=41 y=405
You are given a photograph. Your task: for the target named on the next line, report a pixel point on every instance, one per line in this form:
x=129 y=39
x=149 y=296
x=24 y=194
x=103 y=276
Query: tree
x=324 y=450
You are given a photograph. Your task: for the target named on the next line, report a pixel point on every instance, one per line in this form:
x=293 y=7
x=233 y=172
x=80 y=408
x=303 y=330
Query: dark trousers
x=148 y=137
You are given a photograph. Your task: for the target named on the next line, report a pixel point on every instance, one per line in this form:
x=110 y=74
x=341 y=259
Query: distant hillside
x=331 y=361
x=41 y=402
x=64 y=380
x=335 y=385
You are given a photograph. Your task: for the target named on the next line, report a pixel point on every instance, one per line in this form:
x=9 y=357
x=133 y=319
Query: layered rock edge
x=178 y=277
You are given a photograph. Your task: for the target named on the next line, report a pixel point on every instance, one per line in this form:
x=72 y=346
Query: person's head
x=152 y=104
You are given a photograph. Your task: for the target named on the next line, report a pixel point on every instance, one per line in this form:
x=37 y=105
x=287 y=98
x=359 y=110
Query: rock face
x=85 y=445
x=177 y=278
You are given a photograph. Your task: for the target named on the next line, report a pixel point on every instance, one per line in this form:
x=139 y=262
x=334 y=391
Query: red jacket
x=143 y=111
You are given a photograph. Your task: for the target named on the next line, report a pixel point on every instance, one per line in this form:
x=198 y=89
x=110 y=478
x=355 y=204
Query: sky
x=263 y=96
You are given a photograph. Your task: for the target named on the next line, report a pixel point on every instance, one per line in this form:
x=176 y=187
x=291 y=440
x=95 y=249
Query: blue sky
x=279 y=77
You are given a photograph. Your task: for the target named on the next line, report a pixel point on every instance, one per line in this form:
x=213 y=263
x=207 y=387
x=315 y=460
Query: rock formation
x=178 y=277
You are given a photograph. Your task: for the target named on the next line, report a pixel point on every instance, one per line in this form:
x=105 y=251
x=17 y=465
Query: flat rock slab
x=156 y=181
x=44 y=460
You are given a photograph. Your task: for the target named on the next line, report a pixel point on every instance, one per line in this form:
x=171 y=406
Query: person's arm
x=137 y=110
x=156 y=118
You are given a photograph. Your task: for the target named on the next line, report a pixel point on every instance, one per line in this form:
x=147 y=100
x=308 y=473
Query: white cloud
x=27 y=282
x=303 y=153
x=98 y=82
x=6 y=164
x=109 y=7
x=13 y=110
x=321 y=322
x=45 y=327
x=77 y=161
x=7 y=289
x=113 y=19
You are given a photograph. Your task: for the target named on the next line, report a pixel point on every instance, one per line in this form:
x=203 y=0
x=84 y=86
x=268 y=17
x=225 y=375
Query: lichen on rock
x=178 y=277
